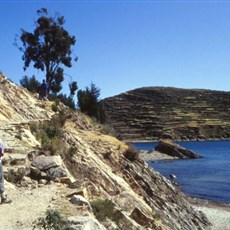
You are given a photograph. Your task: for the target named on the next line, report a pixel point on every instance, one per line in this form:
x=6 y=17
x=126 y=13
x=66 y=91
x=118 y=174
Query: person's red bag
x=1 y=152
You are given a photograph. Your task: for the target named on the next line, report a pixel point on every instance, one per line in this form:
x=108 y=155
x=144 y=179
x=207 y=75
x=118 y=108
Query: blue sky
x=123 y=45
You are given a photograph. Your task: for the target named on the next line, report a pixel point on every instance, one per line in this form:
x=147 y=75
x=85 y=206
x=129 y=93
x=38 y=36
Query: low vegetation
x=49 y=132
x=106 y=209
x=51 y=221
x=131 y=153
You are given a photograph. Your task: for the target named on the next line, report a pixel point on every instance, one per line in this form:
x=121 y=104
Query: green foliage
x=131 y=153
x=32 y=84
x=107 y=129
x=73 y=88
x=71 y=151
x=156 y=217
x=88 y=100
x=55 y=106
x=49 y=132
x=67 y=100
x=48 y=47
x=51 y=221
x=105 y=208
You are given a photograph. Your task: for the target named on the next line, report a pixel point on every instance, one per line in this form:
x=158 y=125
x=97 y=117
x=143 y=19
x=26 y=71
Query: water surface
x=207 y=178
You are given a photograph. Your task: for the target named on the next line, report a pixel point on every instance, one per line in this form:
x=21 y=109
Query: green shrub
x=71 y=151
x=31 y=83
x=49 y=132
x=66 y=100
x=107 y=129
x=156 y=217
x=55 y=106
x=52 y=221
x=131 y=153
x=106 y=208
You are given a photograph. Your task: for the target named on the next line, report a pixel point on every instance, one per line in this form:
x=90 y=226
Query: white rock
x=85 y=223
x=80 y=201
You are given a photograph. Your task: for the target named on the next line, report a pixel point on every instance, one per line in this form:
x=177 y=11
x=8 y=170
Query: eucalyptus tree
x=48 y=47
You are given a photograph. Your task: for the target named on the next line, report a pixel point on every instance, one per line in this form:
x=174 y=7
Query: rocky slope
x=74 y=168
x=152 y=113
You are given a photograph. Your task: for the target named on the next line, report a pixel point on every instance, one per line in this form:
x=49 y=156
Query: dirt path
x=27 y=206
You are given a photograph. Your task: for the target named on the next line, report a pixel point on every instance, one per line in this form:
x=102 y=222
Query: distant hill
x=152 y=113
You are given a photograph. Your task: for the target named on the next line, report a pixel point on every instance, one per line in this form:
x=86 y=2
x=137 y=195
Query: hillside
x=60 y=160
x=153 y=113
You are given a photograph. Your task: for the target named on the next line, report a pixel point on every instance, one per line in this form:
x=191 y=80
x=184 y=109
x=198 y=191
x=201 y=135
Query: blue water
x=207 y=178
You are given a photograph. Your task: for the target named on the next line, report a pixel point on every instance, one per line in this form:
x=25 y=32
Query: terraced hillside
x=152 y=113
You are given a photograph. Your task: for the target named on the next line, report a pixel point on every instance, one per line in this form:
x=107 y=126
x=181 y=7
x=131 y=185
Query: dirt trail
x=27 y=206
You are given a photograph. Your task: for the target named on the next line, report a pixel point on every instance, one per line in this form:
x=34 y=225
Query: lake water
x=206 y=178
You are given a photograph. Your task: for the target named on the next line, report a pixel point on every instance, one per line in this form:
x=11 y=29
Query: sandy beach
x=217 y=213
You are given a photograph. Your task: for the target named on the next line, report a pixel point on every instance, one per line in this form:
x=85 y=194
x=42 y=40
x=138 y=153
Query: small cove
x=206 y=178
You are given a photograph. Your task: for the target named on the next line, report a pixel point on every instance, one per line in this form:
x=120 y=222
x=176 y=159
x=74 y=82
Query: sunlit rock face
x=97 y=167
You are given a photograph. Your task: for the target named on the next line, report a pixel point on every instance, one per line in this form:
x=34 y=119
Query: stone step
x=14 y=159
x=18 y=149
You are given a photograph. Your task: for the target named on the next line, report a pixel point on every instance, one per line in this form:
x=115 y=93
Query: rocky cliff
x=153 y=113
x=61 y=160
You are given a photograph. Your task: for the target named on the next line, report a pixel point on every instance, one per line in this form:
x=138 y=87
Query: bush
x=52 y=221
x=131 y=153
x=66 y=100
x=107 y=129
x=49 y=132
x=30 y=83
x=106 y=208
x=71 y=151
x=55 y=106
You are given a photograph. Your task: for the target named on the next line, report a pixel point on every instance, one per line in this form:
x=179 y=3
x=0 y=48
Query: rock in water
x=170 y=148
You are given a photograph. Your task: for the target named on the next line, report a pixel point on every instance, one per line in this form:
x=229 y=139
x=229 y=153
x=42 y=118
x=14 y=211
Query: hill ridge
x=152 y=113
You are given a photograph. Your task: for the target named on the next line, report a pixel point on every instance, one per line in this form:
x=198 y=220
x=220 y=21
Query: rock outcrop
x=154 y=113
x=175 y=150
x=93 y=167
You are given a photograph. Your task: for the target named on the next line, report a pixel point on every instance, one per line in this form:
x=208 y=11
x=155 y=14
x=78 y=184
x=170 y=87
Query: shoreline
x=154 y=155
x=208 y=203
x=217 y=213
x=176 y=140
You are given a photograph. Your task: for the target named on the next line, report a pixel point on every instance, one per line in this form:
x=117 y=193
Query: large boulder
x=57 y=172
x=46 y=162
x=175 y=150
